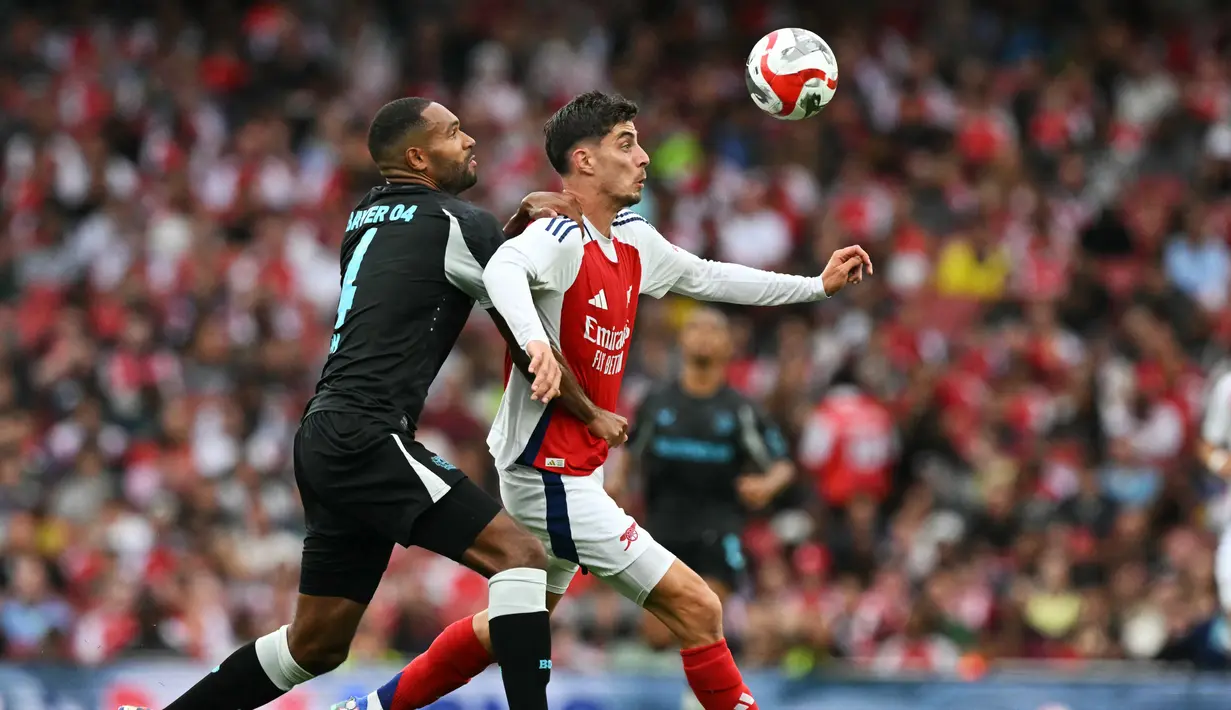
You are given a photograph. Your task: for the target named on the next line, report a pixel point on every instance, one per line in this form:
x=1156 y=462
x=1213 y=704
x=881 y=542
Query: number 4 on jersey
x=347 y=299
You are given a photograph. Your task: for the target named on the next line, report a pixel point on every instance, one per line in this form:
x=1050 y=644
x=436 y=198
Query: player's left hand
x=545 y=205
x=756 y=490
x=846 y=266
x=546 y=371
x=609 y=427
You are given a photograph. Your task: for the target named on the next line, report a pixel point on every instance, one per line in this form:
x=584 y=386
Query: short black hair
x=391 y=124
x=590 y=115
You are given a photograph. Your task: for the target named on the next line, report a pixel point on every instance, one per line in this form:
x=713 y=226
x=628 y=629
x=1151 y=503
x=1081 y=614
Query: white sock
x=522 y=590
x=274 y=653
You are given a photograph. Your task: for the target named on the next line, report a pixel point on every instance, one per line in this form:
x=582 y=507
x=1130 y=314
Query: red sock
x=715 y=680
x=450 y=662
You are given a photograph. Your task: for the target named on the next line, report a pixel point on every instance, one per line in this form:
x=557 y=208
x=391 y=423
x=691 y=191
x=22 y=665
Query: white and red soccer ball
x=791 y=74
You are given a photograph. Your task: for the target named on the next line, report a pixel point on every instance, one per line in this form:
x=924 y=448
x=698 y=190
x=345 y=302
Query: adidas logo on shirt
x=599 y=301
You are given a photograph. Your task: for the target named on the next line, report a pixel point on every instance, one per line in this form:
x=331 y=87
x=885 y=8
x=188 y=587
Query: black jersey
x=412 y=268
x=692 y=450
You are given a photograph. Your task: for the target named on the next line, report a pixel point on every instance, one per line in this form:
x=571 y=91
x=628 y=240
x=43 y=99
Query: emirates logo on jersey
x=629 y=536
x=612 y=362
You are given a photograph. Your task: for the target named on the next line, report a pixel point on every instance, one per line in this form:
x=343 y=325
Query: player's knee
x=702 y=610
x=693 y=611
x=523 y=550
x=318 y=653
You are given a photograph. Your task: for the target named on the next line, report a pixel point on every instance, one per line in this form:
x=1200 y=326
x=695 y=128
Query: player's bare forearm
x=572 y=397
x=542 y=205
x=516 y=224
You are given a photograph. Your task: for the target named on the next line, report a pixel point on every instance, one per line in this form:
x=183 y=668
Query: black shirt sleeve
x=760 y=440
x=474 y=235
x=641 y=430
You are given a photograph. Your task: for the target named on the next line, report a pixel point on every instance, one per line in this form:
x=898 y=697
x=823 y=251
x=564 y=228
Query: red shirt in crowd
x=849 y=446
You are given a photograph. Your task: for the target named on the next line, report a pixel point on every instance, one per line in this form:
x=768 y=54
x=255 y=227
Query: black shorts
x=713 y=555
x=365 y=488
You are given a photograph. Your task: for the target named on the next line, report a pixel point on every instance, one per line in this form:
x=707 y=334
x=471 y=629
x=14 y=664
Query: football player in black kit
x=412 y=264
x=707 y=455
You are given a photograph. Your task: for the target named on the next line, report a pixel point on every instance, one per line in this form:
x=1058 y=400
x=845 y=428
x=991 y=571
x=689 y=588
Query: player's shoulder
x=660 y=392
x=470 y=217
x=732 y=396
x=560 y=230
x=626 y=218
x=631 y=227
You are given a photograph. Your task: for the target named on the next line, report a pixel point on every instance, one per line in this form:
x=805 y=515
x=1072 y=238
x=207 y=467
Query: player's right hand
x=545 y=205
x=546 y=371
x=845 y=267
x=610 y=427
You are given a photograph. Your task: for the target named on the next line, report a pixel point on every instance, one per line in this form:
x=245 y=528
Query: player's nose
x=467 y=141
x=642 y=157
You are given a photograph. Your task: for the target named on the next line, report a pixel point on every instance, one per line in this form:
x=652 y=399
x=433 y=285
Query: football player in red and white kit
x=578 y=286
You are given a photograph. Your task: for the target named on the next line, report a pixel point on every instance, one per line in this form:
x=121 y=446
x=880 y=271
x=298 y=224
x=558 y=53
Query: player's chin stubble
x=463 y=179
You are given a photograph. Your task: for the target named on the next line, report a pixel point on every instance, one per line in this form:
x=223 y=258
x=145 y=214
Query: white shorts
x=580 y=524
x=1222 y=569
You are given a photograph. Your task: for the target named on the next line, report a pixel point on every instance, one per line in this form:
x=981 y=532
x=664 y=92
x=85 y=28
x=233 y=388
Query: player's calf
x=693 y=612
x=514 y=631
x=517 y=609
x=259 y=673
x=459 y=653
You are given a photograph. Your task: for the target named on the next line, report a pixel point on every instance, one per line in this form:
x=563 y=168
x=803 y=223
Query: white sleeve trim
x=461 y=268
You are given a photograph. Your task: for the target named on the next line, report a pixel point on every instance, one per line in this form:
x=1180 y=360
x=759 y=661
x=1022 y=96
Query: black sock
x=521 y=644
x=240 y=683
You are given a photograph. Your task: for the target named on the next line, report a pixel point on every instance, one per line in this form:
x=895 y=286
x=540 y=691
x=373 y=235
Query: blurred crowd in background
x=1044 y=187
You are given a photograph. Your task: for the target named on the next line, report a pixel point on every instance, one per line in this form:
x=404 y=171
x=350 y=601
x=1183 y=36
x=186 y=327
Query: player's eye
x=627 y=147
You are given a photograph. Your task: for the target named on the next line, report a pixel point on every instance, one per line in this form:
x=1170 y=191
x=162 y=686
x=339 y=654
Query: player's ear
x=583 y=160
x=416 y=159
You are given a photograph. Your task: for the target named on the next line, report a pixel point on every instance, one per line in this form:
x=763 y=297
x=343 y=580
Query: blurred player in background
x=706 y=455
x=578 y=285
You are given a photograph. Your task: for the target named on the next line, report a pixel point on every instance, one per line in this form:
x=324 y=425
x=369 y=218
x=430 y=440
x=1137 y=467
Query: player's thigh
x=342 y=558
x=526 y=500
x=468 y=526
x=380 y=480
x=582 y=525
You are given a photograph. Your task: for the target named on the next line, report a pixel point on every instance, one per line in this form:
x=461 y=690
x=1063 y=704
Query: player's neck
x=598 y=209
x=702 y=381
x=405 y=177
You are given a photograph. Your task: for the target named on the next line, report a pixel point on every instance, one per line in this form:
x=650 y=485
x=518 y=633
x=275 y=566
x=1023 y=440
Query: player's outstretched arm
x=734 y=283
x=669 y=268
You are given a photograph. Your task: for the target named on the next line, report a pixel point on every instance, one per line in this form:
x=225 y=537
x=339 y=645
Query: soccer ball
x=791 y=74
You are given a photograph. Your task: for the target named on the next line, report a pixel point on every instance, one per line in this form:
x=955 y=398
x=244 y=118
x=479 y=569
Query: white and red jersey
x=570 y=285
x=849 y=444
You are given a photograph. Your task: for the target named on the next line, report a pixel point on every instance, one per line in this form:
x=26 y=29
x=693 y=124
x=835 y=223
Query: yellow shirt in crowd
x=959 y=272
